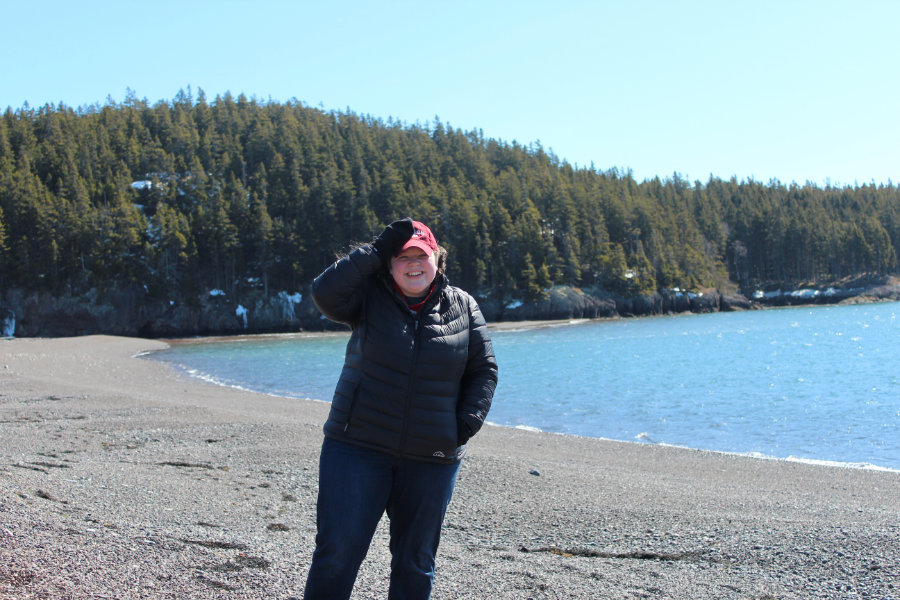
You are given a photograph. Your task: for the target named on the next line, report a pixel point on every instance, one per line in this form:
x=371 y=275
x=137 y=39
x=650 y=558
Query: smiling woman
x=417 y=382
x=414 y=267
x=413 y=271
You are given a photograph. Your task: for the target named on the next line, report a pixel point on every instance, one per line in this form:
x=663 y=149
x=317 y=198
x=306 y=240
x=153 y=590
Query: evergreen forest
x=234 y=194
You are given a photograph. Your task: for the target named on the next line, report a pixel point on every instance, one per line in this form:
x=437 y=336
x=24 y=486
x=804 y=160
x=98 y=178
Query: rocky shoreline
x=120 y=478
x=131 y=311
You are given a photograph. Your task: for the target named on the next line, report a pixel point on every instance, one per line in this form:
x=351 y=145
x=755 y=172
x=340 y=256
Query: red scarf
x=418 y=305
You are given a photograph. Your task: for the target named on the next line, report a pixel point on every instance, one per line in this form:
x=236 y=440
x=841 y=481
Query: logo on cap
x=422 y=238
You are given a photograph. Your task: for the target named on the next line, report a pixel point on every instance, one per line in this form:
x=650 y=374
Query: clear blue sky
x=788 y=89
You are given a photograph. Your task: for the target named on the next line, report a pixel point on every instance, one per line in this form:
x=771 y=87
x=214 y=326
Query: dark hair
x=441 y=259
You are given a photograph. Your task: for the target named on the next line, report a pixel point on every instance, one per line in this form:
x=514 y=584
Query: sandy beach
x=121 y=478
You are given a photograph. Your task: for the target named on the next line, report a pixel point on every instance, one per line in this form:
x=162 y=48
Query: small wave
x=845 y=465
x=807 y=461
x=520 y=427
x=207 y=378
x=527 y=428
x=214 y=380
x=811 y=461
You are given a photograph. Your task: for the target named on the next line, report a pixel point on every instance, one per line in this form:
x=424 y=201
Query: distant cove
x=806 y=383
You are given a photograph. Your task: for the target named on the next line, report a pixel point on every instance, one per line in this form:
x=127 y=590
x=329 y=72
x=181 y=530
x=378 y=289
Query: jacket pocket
x=350 y=408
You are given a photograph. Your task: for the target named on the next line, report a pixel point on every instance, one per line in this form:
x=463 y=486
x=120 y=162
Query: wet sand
x=121 y=478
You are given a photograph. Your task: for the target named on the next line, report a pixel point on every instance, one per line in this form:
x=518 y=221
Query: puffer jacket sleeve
x=340 y=290
x=480 y=378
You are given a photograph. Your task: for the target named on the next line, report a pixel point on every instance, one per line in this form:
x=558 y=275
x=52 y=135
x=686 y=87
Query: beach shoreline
x=124 y=478
x=494 y=326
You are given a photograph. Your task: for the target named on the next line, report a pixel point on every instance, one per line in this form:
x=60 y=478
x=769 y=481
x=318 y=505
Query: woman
x=418 y=379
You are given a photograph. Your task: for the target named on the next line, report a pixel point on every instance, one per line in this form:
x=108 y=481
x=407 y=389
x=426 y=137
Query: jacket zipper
x=410 y=385
x=433 y=297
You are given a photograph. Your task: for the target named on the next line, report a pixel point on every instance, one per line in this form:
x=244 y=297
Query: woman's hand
x=393 y=237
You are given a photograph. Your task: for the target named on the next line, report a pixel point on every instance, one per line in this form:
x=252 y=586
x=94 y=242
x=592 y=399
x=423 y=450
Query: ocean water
x=817 y=384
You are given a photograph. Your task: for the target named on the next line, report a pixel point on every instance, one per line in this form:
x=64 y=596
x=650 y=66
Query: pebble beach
x=122 y=478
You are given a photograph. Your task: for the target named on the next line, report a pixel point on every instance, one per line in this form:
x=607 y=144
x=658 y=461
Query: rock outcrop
x=133 y=311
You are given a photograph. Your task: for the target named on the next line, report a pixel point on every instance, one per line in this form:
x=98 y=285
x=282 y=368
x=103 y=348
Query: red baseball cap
x=422 y=238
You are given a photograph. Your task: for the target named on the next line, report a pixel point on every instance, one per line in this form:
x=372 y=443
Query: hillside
x=190 y=216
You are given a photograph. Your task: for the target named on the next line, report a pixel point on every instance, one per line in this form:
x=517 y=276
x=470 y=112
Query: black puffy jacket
x=416 y=385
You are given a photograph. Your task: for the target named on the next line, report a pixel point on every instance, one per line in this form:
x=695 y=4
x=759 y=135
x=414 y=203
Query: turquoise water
x=818 y=384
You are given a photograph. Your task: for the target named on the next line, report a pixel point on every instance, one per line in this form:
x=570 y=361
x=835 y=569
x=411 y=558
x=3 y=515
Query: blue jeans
x=357 y=486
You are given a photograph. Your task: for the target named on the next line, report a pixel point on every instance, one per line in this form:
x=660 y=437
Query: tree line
x=188 y=195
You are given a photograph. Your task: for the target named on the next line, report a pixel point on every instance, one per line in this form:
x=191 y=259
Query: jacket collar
x=437 y=287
